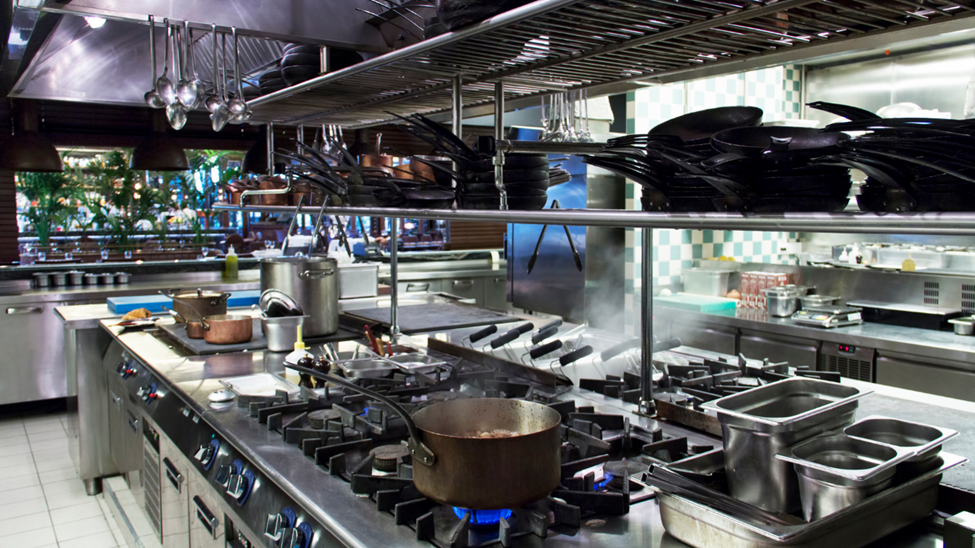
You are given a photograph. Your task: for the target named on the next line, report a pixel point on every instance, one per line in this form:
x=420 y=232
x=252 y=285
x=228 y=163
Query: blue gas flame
x=483 y=517
x=601 y=484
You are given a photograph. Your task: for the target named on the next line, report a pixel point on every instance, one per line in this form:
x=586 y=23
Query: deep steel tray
x=852 y=527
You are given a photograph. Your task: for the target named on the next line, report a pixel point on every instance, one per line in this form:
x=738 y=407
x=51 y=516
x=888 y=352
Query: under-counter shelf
x=845 y=223
x=559 y=45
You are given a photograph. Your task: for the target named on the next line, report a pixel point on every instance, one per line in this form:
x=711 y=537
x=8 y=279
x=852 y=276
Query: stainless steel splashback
x=934 y=79
x=862 y=284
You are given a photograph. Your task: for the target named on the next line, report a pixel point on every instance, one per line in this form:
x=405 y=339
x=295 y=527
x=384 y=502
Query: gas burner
x=617 y=472
x=317 y=419
x=386 y=458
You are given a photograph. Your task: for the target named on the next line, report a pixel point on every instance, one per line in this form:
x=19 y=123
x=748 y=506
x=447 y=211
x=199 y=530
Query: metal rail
x=555 y=45
x=954 y=224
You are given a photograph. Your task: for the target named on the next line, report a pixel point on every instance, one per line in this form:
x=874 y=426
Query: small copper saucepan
x=194 y=328
x=228 y=328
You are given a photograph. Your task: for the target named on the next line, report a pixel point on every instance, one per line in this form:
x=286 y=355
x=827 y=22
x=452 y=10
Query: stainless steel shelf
x=957 y=224
x=555 y=45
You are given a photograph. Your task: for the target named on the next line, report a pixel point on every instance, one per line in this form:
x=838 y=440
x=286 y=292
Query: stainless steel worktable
x=352 y=519
x=936 y=344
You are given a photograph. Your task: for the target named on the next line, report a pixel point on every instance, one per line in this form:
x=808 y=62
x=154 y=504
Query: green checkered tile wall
x=777 y=91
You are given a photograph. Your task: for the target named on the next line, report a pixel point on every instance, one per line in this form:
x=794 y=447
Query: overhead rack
x=559 y=45
x=847 y=223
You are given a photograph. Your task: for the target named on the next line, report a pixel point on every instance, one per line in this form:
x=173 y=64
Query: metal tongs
x=572 y=245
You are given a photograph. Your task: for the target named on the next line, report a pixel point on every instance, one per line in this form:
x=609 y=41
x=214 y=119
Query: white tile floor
x=42 y=500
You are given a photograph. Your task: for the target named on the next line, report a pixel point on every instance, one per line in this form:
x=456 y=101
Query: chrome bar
x=646 y=405
x=545 y=147
x=457 y=109
x=393 y=289
x=270 y=150
x=956 y=224
x=498 y=136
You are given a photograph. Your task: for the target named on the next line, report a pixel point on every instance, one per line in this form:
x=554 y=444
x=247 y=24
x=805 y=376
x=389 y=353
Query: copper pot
x=375 y=160
x=273 y=183
x=194 y=330
x=228 y=328
x=519 y=466
x=194 y=305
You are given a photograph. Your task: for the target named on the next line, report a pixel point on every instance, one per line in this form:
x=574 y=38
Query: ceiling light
x=27 y=149
x=95 y=22
x=159 y=151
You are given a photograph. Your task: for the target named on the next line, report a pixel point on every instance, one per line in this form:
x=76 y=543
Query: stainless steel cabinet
x=419 y=286
x=33 y=359
x=496 y=292
x=716 y=338
x=933 y=376
x=777 y=348
x=207 y=527
x=174 y=496
x=467 y=288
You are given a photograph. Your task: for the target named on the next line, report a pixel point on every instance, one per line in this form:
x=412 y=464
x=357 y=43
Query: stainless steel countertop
x=354 y=520
x=248 y=280
x=923 y=342
x=447 y=274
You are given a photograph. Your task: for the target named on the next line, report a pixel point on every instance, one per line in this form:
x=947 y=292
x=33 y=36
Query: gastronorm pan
x=762 y=422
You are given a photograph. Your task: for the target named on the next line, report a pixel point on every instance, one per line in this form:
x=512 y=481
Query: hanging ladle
x=152 y=97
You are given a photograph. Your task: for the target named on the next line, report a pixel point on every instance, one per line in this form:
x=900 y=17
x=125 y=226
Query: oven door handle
x=206 y=517
x=173 y=474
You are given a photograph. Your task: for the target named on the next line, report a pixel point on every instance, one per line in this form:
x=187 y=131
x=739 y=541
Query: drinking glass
x=205 y=251
x=128 y=254
x=104 y=254
x=41 y=256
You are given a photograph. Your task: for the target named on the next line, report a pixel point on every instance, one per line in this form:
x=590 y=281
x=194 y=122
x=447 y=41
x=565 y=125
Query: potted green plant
x=53 y=199
x=120 y=200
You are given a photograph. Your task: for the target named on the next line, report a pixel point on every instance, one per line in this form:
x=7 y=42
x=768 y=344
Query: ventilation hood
x=111 y=64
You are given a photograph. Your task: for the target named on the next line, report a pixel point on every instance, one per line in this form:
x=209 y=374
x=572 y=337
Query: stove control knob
x=205 y=454
x=224 y=473
x=125 y=369
x=293 y=538
x=237 y=486
x=275 y=526
x=148 y=393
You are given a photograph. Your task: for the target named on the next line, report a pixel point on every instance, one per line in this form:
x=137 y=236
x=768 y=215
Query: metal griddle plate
x=421 y=318
x=852 y=527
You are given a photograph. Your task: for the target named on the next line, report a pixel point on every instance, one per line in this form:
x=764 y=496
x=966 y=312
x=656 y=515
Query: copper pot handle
x=418 y=449
x=203 y=322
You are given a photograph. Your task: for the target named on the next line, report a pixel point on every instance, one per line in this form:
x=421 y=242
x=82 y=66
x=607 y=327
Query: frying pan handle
x=575 y=355
x=478 y=335
x=614 y=351
x=544 y=333
x=854 y=114
x=540 y=351
x=417 y=448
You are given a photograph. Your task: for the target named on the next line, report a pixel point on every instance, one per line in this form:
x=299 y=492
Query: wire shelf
x=558 y=45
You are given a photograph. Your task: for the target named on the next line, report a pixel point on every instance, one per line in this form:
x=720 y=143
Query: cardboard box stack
x=752 y=284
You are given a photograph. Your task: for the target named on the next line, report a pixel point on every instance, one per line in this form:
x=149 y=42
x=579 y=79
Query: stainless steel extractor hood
x=111 y=64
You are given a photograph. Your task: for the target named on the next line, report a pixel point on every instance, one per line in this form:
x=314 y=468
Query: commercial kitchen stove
x=317 y=469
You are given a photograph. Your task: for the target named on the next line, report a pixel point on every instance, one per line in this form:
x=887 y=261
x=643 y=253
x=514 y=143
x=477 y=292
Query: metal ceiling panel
x=111 y=64
x=334 y=23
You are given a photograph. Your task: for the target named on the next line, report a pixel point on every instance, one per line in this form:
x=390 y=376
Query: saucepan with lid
x=479 y=453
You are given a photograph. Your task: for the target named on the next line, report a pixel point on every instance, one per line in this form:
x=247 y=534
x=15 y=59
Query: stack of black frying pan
x=300 y=63
x=912 y=164
x=526 y=176
x=721 y=160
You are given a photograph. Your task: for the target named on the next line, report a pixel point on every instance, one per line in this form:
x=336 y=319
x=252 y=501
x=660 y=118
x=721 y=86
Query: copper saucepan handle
x=418 y=449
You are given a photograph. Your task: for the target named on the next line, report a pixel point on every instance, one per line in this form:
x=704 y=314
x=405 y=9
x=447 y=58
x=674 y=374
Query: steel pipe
x=955 y=224
x=498 y=136
x=646 y=405
x=393 y=290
